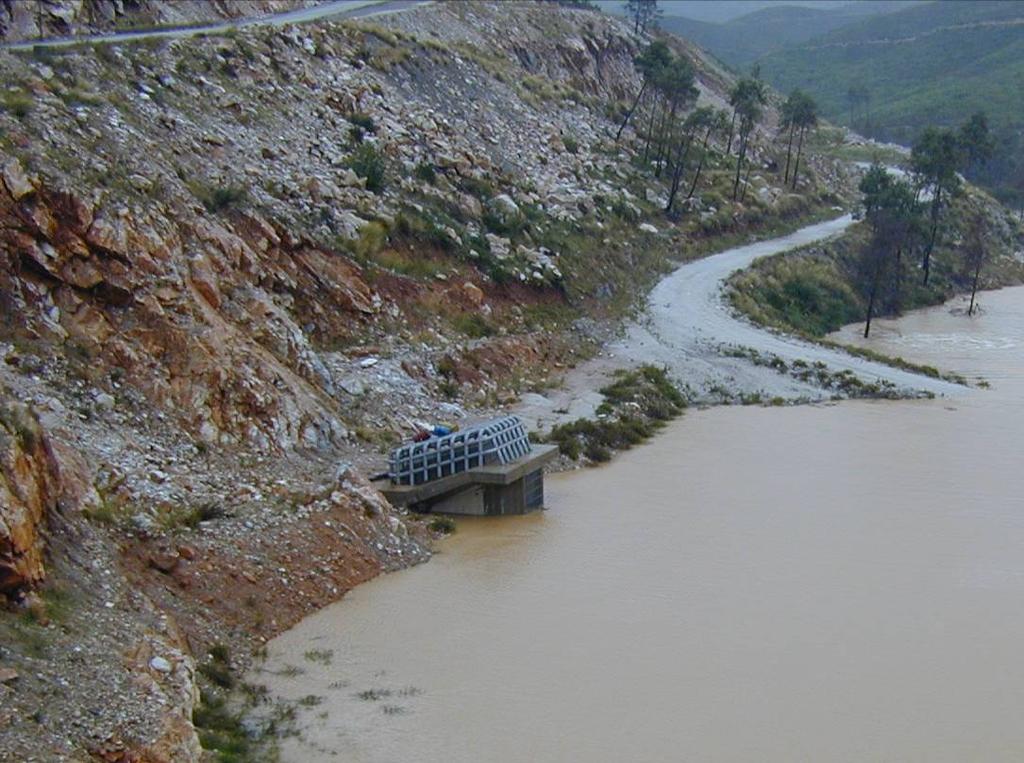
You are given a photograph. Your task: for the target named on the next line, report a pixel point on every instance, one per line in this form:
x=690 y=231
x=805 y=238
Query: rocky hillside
x=232 y=263
x=31 y=19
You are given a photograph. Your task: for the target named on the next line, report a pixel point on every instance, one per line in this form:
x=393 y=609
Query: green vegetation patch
x=218 y=198
x=636 y=405
x=898 y=362
x=442 y=525
x=892 y=75
x=843 y=383
x=236 y=721
x=806 y=296
x=223 y=733
x=370 y=163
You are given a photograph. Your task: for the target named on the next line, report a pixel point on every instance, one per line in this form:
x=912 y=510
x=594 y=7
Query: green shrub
x=447 y=367
x=473 y=325
x=372 y=238
x=502 y=226
x=597 y=453
x=571 y=144
x=815 y=304
x=363 y=121
x=622 y=208
x=369 y=162
x=806 y=295
x=425 y=227
x=448 y=389
x=222 y=732
x=636 y=405
x=17 y=104
x=425 y=171
x=109 y=510
x=410 y=264
x=217 y=668
x=218 y=673
x=220 y=198
x=479 y=187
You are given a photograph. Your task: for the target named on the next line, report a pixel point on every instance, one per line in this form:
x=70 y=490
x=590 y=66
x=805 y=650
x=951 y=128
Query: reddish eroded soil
x=256 y=578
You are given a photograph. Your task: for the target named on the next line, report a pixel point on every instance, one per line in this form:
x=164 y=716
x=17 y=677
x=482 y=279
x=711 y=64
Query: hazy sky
x=720 y=10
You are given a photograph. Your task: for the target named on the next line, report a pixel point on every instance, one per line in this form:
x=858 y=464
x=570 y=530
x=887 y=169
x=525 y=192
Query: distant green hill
x=928 y=64
x=741 y=41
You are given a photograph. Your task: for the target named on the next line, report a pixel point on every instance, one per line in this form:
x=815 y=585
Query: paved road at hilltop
x=330 y=9
x=688 y=320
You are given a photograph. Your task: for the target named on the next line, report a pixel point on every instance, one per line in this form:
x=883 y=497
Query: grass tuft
x=442 y=525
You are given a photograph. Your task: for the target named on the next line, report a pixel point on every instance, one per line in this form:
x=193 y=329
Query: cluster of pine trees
x=906 y=214
x=677 y=134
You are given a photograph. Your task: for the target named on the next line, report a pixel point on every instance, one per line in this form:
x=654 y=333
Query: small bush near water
x=235 y=721
x=443 y=525
x=217 y=668
x=636 y=405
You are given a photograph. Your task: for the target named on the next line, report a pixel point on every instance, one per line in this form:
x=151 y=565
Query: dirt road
x=684 y=328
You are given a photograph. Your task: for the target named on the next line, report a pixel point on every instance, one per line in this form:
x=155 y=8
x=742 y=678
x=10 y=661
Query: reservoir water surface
x=828 y=582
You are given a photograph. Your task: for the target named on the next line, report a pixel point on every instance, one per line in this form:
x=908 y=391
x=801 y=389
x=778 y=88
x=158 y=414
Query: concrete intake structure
x=490 y=469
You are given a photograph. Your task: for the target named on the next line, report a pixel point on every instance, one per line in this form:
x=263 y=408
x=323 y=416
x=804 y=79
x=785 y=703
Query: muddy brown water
x=835 y=582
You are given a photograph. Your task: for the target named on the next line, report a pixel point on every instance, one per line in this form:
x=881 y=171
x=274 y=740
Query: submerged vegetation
x=843 y=383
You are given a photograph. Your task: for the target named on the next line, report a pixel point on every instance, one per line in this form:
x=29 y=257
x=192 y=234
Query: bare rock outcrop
x=39 y=478
x=191 y=314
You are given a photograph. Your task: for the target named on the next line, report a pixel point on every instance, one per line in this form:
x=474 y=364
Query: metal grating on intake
x=500 y=441
x=533 y=490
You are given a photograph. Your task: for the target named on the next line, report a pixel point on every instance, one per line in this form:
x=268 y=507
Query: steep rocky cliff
x=231 y=263
x=30 y=19
x=41 y=476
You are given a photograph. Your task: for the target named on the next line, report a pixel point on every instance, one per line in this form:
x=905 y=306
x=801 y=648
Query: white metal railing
x=500 y=441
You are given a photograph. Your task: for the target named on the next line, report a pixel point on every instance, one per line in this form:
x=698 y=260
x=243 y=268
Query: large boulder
x=504 y=209
x=18 y=183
